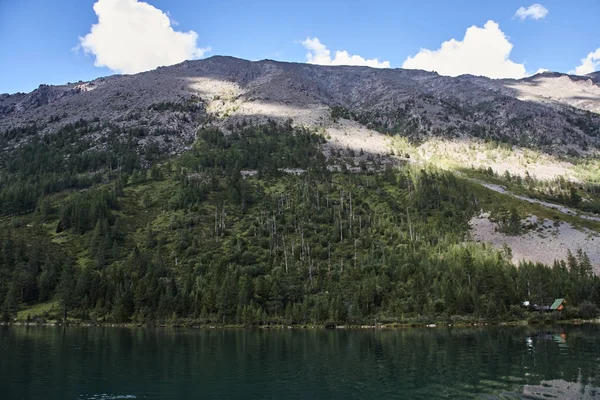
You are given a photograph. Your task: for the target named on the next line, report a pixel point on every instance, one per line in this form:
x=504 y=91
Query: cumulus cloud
x=589 y=64
x=536 y=11
x=318 y=53
x=132 y=36
x=483 y=51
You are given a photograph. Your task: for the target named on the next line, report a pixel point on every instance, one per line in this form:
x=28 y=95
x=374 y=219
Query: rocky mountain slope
x=553 y=111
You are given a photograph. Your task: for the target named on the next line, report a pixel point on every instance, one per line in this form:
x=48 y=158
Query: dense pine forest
x=253 y=227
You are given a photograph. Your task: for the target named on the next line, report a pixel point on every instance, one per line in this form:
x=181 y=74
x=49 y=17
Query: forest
x=255 y=227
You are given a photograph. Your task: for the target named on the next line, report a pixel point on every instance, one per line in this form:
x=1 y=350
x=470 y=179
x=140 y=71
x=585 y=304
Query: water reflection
x=560 y=389
x=560 y=338
x=490 y=362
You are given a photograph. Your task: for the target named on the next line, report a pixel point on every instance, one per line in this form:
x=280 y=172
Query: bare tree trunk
x=410 y=227
x=217 y=222
x=341 y=227
x=355 y=240
x=285 y=255
x=318 y=204
x=351 y=213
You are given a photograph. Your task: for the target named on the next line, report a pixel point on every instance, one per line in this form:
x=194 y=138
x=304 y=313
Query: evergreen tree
x=66 y=288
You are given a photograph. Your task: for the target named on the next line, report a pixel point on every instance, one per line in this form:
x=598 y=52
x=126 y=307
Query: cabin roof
x=556 y=304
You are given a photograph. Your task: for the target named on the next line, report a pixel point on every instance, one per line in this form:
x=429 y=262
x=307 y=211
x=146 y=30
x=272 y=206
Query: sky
x=60 y=41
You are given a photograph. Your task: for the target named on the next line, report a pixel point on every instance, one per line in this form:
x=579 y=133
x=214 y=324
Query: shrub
x=516 y=312
x=588 y=310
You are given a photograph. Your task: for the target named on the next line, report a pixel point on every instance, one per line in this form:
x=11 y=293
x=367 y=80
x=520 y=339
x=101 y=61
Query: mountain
x=552 y=111
x=256 y=193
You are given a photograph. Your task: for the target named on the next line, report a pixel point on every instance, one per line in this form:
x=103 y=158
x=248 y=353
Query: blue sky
x=40 y=39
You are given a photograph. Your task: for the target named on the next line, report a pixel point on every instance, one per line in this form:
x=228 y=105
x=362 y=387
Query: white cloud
x=318 y=53
x=483 y=51
x=541 y=71
x=589 y=64
x=132 y=36
x=536 y=11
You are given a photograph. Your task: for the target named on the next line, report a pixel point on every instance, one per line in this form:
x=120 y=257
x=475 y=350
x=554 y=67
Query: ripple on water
x=105 y=396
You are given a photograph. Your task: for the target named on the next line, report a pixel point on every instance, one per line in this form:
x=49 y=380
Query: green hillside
x=109 y=237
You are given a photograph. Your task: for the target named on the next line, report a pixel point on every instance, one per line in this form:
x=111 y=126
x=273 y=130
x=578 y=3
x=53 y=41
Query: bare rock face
x=552 y=111
x=595 y=76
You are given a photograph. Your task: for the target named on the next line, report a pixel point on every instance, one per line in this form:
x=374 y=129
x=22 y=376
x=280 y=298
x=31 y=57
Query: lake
x=84 y=363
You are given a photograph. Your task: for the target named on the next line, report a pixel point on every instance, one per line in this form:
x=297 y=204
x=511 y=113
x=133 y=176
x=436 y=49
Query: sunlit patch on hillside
x=579 y=93
x=467 y=153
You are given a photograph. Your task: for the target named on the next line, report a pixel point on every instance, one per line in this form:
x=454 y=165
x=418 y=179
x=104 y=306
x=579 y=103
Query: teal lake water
x=120 y=363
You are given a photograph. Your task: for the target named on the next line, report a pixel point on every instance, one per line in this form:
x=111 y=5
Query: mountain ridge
x=549 y=110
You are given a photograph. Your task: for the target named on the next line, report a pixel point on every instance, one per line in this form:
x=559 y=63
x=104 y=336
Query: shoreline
x=331 y=327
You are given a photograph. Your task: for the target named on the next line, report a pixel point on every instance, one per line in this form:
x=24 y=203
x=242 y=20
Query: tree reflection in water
x=524 y=362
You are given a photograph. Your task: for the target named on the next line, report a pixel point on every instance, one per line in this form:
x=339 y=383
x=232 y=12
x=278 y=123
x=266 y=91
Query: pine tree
x=585 y=264
x=66 y=288
x=10 y=304
x=227 y=299
x=572 y=263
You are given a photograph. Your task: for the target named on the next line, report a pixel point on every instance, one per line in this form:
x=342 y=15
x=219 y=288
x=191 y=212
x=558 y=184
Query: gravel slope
x=547 y=243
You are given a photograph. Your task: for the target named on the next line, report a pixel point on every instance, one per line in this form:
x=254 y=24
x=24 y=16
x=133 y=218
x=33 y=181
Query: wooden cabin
x=558 y=305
